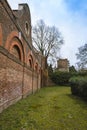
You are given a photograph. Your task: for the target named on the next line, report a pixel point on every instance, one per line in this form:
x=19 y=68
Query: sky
x=69 y=16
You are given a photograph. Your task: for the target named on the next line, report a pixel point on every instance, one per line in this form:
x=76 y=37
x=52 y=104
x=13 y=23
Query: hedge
x=79 y=86
x=62 y=78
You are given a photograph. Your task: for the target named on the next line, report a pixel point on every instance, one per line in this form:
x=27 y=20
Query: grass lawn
x=52 y=108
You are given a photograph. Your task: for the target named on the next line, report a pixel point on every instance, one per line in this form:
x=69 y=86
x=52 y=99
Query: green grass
x=52 y=108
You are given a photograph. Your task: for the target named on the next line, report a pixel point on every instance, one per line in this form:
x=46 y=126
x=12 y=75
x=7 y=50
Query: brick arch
x=20 y=52
x=36 y=66
x=39 y=69
x=10 y=43
x=9 y=39
x=30 y=60
x=0 y=35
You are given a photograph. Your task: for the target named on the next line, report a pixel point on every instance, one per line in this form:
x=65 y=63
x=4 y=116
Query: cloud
x=69 y=16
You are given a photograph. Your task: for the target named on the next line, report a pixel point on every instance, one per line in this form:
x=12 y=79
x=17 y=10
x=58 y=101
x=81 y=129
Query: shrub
x=79 y=86
x=74 y=83
x=61 y=78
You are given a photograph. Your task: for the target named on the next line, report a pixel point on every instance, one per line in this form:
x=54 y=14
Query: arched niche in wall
x=30 y=61
x=0 y=35
x=16 y=49
x=39 y=70
x=14 y=46
x=36 y=67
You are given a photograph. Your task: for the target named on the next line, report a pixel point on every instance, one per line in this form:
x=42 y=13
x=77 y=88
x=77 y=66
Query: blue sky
x=70 y=16
x=76 y=5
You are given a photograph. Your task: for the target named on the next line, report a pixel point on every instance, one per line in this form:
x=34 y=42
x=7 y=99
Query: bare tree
x=47 y=39
x=82 y=56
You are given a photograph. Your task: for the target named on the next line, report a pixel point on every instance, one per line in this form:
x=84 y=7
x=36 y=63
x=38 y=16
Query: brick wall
x=18 y=75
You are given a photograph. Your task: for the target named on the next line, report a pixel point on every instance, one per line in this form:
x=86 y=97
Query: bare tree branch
x=47 y=39
x=82 y=56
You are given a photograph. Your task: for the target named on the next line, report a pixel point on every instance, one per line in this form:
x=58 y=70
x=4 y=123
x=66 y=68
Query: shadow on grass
x=78 y=100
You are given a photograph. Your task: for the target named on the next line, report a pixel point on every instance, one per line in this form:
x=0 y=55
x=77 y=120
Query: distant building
x=63 y=65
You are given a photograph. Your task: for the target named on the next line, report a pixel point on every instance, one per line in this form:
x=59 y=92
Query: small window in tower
x=27 y=28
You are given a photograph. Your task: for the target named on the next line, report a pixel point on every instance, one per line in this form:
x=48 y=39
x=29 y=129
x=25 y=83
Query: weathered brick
x=17 y=77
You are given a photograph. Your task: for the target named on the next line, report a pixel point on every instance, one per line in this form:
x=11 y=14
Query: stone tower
x=63 y=65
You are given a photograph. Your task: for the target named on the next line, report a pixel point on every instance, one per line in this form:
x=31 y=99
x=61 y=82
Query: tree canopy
x=47 y=39
x=82 y=56
x=72 y=69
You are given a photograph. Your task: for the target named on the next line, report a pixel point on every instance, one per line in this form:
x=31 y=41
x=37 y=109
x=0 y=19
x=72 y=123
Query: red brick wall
x=27 y=89
x=16 y=81
x=0 y=35
x=17 y=78
x=35 y=82
x=11 y=77
x=2 y=78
